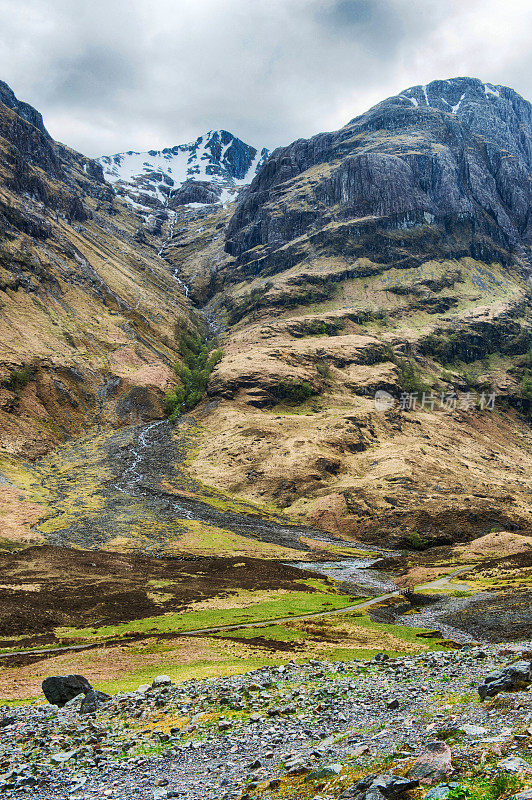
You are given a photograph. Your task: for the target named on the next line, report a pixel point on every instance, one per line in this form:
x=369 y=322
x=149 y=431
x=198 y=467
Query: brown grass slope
x=410 y=296
x=88 y=315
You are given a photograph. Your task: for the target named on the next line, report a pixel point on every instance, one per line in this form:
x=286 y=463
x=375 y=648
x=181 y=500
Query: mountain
x=455 y=155
x=392 y=255
x=345 y=352
x=389 y=258
x=88 y=313
x=209 y=170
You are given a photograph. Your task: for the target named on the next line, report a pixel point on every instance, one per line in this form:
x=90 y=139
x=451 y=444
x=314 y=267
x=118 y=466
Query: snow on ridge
x=440 y=94
x=216 y=156
x=455 y=108
x=490 y=89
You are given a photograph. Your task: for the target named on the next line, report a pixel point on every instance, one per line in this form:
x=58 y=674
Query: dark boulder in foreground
x=379 y=787
x=510 y=679
x=59 y=689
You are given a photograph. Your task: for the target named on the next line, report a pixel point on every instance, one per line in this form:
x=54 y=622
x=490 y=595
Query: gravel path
x=277 y=620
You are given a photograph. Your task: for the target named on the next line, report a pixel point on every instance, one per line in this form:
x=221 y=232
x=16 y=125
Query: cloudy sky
x=112 y=75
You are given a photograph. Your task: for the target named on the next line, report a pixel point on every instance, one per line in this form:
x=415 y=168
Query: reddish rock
x=434 y=765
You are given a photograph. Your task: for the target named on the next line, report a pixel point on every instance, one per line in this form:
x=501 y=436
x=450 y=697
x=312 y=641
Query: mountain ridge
x=216 y=162
x=438 y=174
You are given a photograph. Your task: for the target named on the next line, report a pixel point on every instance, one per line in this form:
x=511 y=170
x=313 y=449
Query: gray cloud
x=112 y=75
x=95 y=74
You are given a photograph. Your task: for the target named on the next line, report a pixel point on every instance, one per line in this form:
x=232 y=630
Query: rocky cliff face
x=23 y=110
x=454 y=156
x=179 y=173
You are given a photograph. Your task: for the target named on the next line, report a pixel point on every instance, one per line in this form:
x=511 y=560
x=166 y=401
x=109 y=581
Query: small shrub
x=504 y=784
x=526 y=385
x=293 y=391
x=408 y=376
x=416 y=541
x=526 y=390
x=459 y=793
x=18 y=379
x=324 y=371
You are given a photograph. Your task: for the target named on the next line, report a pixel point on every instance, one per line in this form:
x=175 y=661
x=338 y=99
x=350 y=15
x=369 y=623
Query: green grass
x=277 y=633
x=479 y=787
x=296 y=603
x=403 y=632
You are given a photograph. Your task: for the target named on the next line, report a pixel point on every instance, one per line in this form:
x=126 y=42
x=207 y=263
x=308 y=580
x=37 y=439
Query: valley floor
x=133 y=565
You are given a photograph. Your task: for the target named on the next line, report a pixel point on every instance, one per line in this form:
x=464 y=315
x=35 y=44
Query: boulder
x=433 y=765
x=441 y=791
x=393 y=786
x=324 y=773
x=161 y=680
x=512 y=678
x=92 y=701
x=515 y=764
x=380 y=657
x=59 y=689
x=380 y=787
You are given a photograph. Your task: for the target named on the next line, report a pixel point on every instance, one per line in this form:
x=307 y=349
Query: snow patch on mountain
x=216 y=165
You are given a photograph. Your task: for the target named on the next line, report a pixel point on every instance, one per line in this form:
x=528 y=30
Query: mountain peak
x=216 y=158
x=456 y=149
x=24 y=110
x=458 y=95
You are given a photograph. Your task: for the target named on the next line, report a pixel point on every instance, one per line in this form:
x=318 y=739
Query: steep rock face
x=456 y=152
x=151 y=178
x=31 y=163
x=201 y=192
x=23 y=110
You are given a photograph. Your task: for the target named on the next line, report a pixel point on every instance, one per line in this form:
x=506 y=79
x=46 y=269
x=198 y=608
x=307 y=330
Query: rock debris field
x=385 y=729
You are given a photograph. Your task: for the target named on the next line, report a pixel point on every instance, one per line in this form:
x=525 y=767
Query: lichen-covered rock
x=433 y=765
x=92 y=701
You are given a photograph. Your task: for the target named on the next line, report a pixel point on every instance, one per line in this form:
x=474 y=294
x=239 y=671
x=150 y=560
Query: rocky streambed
x=133 y=483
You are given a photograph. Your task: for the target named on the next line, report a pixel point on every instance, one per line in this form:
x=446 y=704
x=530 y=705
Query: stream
x=136 y=480
x=140 y=477
x=166 y=242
